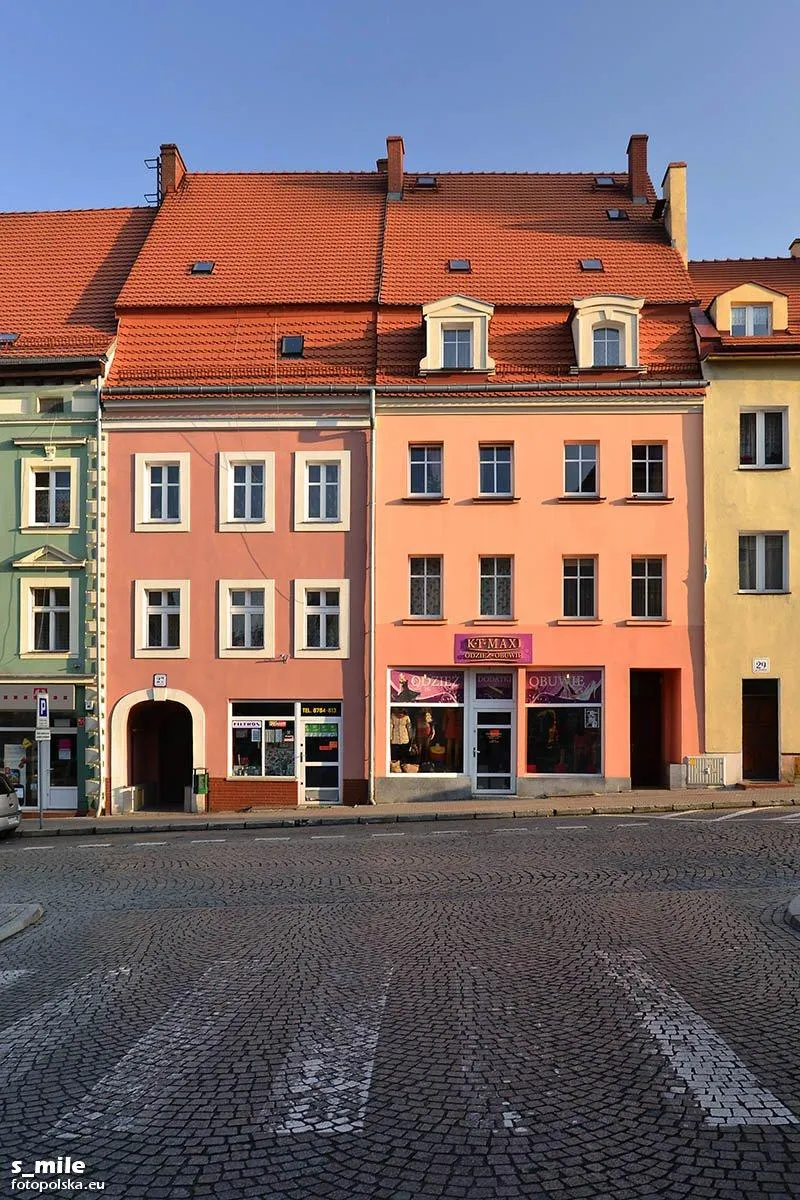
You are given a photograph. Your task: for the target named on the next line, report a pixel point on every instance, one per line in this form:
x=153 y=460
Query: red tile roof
x=712 y=277
x=274 y=239
x=524 y=236
x=60 y=274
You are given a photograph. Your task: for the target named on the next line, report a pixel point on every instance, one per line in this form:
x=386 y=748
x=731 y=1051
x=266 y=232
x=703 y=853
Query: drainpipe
x=372 y=581
x=101 y=630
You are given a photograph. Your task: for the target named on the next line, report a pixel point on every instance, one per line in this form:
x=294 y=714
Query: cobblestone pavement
x=600 y=1008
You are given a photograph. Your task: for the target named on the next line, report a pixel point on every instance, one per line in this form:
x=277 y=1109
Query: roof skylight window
x=8 y=339
x=604 y=181
x=591 y=264
x=427 y=181
x=203 y=267
x=292 y=345
x=617 y=214
x=459 y=264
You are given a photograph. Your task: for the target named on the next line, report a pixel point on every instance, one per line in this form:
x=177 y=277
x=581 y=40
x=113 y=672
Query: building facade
x=59 y=275
x=747 y=325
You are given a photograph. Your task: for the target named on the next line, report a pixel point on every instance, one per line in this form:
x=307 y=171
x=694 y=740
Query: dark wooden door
x=760 y=755
x=647 y=729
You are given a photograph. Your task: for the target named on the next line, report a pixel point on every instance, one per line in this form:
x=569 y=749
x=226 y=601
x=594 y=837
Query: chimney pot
x=383 y=165
x=173 y=168
x=794 y=249
x=637 y=167
x=395 y=151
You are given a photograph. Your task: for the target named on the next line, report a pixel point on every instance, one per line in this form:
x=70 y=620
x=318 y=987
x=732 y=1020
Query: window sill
x=425 y=499
x=587 y=499
x=495 y=499
x=578 y=621
x=493 y=621
x=50 y=655
x=423 y=621
x=456 y=371
x=51 y=529
x=763 y=592
x=594 y=370
x=259 y=778
x=160 y=652
x=647 y=621
x=764 y=467
x=644 y=499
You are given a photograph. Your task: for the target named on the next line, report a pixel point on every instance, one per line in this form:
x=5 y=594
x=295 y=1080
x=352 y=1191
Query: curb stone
x=793 y=913
x=26 y=914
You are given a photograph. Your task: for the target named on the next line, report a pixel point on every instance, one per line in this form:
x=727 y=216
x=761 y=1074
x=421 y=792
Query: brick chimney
x=173 y=169
x=637 y=167
x=674 y=188
x=395 y=151
x=383 y=166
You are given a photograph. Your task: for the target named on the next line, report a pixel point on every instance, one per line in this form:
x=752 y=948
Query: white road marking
x=686 y=812
x=38 y=847
x=154 y=1067
x=387 y=835
x=7 y=978
x=572 y=826
x=511 y=829
x=326 y=837
x=283 y=838
x=30 y=1043
x=149 y=843
x=789 y=817
x=447 y=833
x=740 y=812
x=92 y=845
x=201 y=841
x=630 y=824
x=323 y=1085
x=726 y=1090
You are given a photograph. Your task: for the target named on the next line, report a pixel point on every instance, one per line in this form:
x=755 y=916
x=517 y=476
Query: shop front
x=294 y=741
x=19 y=750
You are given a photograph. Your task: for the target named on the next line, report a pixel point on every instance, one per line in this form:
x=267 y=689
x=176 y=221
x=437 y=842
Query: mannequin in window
x=401 y=734
x=451 y=732
x=425 y=733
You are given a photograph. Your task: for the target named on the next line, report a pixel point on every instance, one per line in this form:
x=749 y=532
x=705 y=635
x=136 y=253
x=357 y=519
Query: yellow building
x=749 y=331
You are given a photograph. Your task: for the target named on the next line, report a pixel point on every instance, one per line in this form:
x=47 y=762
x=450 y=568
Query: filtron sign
x=506 y=648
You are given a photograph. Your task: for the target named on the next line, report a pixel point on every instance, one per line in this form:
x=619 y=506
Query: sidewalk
x=507 y=807
x=16 y=917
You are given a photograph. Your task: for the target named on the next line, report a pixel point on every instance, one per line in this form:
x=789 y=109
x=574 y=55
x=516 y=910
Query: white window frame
x=29 y=467
x=140 y=646
x=760 y=464
x=596 y=447
x=301 y=587
x=494 y=447
x=749 y=323
x=615 y=312
x=302 y=460
x=225 y=649
x=458 y=327
x=577 y=579
x=496 y=616
x=143 y=523
x=760 y=589
x=457 y=312
x=27 y=584
x=426 y=616
x=647 y=464
x=607 y=327
x=427 y=446
x=226 y=462
x=648 y=558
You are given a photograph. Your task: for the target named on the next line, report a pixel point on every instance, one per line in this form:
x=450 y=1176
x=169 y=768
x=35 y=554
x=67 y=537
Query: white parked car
x=9 y=807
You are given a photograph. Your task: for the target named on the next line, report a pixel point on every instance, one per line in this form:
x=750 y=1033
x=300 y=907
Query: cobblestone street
x=599 y=1007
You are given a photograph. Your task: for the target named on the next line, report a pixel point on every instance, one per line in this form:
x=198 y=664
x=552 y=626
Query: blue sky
x=92 y=88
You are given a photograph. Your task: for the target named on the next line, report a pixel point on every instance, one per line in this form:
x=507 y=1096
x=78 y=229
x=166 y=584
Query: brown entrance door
x=647 y=729
x=760 y=751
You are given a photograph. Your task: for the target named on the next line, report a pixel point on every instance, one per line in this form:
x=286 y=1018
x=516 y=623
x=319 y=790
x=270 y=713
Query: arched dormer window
x=457 y=335
x=605 y=330
x=607 y=346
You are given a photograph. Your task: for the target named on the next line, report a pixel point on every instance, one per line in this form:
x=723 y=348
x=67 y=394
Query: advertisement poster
x=426 y=687
x=14 y=763
x=563 y=687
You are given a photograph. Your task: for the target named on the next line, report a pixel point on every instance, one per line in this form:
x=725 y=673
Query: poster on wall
x=563 y=687
x=14 y=762
x=426 y=687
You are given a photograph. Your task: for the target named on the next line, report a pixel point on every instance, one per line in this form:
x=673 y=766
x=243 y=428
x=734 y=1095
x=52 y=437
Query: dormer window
x=607 y=346
x=457 y=335
x=457 y=349
x=605 y=331
x=751 y=320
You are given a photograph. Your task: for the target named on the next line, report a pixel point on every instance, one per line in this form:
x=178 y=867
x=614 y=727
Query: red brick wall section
x=355 y=791
x=236 y=795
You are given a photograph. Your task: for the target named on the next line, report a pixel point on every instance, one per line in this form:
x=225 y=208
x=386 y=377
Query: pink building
x=539 y=486
x=236 y=425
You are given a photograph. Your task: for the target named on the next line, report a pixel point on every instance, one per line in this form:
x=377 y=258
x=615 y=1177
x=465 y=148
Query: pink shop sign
x=426 y=687
x=495 y=648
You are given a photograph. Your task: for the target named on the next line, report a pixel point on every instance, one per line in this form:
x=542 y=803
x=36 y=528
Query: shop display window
x=564 y=722
x=262 y=739
x=426 y=722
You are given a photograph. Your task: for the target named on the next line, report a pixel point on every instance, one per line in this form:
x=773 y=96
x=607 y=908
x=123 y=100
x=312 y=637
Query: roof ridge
x=778 y=258
x=56 y=212
x=366 y=174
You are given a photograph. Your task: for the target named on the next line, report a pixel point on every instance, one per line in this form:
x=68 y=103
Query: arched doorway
x=160 y=752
